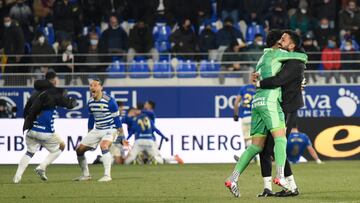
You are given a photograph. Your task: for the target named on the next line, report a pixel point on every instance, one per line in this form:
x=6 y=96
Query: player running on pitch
x=266 y=116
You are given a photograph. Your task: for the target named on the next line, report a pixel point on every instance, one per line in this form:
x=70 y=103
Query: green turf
x=331 y=182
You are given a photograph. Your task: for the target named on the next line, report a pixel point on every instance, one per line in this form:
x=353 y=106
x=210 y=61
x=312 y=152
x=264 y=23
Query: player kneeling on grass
x=103 y=111
x=39 y=122
x=145 y=144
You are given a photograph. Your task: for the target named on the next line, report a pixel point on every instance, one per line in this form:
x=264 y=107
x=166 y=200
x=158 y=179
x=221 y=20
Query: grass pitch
x=334 y=181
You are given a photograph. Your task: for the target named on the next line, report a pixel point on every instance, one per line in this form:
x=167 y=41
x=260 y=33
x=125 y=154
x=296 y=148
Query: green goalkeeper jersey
x=269 y=65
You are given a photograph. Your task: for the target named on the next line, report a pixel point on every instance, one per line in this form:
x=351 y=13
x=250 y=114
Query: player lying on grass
x=267 y=115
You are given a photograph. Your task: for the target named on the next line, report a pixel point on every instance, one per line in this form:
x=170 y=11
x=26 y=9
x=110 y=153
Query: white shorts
x=117 y=150
x=51 y=141
x=95 y=136
x=145 y=145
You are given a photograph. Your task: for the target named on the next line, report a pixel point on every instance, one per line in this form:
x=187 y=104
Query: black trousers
x=268 y=151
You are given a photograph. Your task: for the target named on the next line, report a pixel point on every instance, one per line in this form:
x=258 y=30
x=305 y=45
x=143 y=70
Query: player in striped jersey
x=103 y=112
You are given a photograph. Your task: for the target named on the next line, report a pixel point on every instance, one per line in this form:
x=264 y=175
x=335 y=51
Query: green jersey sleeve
x=282 y=55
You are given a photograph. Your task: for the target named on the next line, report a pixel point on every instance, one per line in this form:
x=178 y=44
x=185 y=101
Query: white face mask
x=7 y=24
x=41 y=40
x=94 y=42
x=324 y=26
x=69 y=48
x=347 y=47
x=303 y=11
x=259 y=43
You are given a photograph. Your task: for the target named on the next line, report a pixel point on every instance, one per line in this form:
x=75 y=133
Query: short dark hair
x=50 y=75
x=120 y=103
x=152 y=103
x=98 y=80
x=140 y=105
x=228 y=20
x=273 y=37
x=295 y=38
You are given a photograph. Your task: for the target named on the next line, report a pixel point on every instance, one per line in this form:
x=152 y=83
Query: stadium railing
x=170 y=69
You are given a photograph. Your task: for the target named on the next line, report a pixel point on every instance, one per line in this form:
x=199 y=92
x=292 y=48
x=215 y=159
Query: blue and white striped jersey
x=45 y=121
x=104 y=113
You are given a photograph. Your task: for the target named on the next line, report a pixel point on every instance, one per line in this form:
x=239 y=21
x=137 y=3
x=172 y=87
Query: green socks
x=244 y=160
x=280 y=154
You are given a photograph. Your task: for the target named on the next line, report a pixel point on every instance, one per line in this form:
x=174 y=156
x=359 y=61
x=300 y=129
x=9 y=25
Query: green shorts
x=266 y=116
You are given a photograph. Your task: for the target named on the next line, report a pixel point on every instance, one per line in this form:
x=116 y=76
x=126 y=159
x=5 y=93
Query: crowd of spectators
x=108 y=29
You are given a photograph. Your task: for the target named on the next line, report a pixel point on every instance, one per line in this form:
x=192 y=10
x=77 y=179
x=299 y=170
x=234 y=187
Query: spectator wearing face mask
x=113 y=40
x=22 y=14
x=311 y=48
x=278 y=17
x=324 y=9
x=141 y=42
x=13 y=43
x=207 y=41
x=67 y=59
x=254 y=51
x=348 y=54
x=322 y=32
x=330 y=58
x=227 y=35
x=349 y=19
x=302 y=20
x=92 y=49
x=42 y=53
x=184 y=40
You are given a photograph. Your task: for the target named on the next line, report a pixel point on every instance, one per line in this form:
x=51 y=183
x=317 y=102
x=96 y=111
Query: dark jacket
x=65 y=16
x=47 y=99
x=141 y=39
x=289 y=79
x=13 y=40
x=207 y=40
x=347 y=20
x=228 y=34
x=184 y=41
x=45 y=49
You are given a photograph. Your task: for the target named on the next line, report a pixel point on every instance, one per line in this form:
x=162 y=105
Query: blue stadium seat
x=49 y=33
x=163 y=69
x=252 y=30
x=161 y=32
x=116 y=70
x=186 y=69
x=27 y=48
x=139 y=69
x=209 y=69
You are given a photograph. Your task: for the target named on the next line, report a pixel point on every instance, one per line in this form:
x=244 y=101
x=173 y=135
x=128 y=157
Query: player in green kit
x=267 y=114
